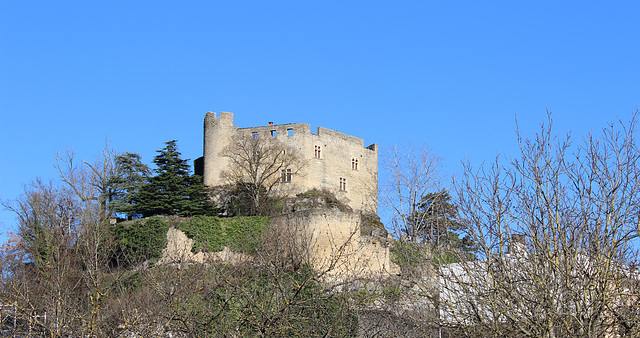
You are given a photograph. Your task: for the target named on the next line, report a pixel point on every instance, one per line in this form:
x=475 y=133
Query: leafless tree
x=90 y=185
x=557 y=236
x=412 y=172
x=42 y=275
x=64 y=235
x=261 y=166
x=89 y=181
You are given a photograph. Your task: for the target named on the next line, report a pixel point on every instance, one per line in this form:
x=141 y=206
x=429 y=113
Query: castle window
x=285 y=176
x=289 y=131
x=273 y=133
x=255 y=134
x=343 y=184
x=317 y=152
x=354 y=164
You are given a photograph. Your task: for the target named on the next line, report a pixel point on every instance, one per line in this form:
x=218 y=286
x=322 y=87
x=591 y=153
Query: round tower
x=218 y=132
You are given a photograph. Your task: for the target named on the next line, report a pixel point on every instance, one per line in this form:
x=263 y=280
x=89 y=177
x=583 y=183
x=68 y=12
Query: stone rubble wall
x=178 y=251
x=330 y=240
x=335 y=246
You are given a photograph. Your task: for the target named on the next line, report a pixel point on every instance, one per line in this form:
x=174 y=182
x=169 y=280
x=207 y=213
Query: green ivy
x=244 y=233
x=206 y=231
x=211 y=233
x=392 y=293
x=140 y=240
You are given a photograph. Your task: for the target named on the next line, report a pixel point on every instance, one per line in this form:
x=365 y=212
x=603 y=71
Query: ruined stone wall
x=336 y=162
x=329 y=240
x=178 y=251
x=335 y=245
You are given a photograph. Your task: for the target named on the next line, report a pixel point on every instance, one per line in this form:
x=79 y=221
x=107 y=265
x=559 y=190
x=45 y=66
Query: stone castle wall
x=342 y=159
x=335 y=245
x=327 y=239
x=332 y=239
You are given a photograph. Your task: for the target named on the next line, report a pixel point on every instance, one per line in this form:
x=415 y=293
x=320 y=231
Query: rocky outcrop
x=178 y=251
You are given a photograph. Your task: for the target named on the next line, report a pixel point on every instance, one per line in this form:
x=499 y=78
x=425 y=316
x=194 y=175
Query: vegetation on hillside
x=139 y=241
x=93 y=277
x=261 y=297
x=544 y=245
x=212 y=233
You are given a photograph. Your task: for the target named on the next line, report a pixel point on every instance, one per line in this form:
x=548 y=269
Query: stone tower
x=217 y=134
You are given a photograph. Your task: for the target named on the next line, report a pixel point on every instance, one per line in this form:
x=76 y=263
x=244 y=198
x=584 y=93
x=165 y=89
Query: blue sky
x=452 y=74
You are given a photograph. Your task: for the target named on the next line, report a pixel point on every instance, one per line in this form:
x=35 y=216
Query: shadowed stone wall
x=334 y=243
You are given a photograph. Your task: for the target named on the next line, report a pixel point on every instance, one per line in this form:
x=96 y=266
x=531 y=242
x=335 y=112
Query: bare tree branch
x=557 y=231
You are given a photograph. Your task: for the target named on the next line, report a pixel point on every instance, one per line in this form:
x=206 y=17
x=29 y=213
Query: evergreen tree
x=198 y=201
x=173 y=190
x=436 y=221
x=131 y=175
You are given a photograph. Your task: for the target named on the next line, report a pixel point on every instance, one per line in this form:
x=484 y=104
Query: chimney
x=518 y=245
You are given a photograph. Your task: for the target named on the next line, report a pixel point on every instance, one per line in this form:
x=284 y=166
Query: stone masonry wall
x=335 y=246
x=341 y=158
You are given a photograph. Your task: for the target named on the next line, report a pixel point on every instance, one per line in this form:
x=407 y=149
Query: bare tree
x=90 y=182
x=557 y=234
x=42 y=275
x=261 y=166
x=64 y=236
x=412 y=173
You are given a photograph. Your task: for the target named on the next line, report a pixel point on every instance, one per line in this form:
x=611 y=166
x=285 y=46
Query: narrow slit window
x=273 y=133
x=317 y=152
x=289 y=131
x=254 y=134
x=285 y=176
x=343 y=184
x=354 y=164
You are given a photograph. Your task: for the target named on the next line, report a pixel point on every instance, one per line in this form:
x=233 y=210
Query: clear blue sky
x=451 y=74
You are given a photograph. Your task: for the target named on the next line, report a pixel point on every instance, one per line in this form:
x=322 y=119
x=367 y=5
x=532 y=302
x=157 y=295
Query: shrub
x=140 y=240
x=211 y=233
x=206 y=231
x=319 y=198
x=392 y=293
x=445 y=255
x=370 y=225
x=408 y=254
x=244 y=234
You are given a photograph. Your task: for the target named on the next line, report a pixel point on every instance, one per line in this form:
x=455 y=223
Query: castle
x=342 y=242
x=333 y=161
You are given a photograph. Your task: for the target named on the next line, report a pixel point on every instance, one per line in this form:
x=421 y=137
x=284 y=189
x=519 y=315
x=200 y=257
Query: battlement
x=281 y=130
x=223 y=115
x=224 y=119
x=290 y=129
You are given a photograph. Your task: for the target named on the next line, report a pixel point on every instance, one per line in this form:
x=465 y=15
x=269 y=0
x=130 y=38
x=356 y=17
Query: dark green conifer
x=436 y=221
x=173 y=190
x=131 y=175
